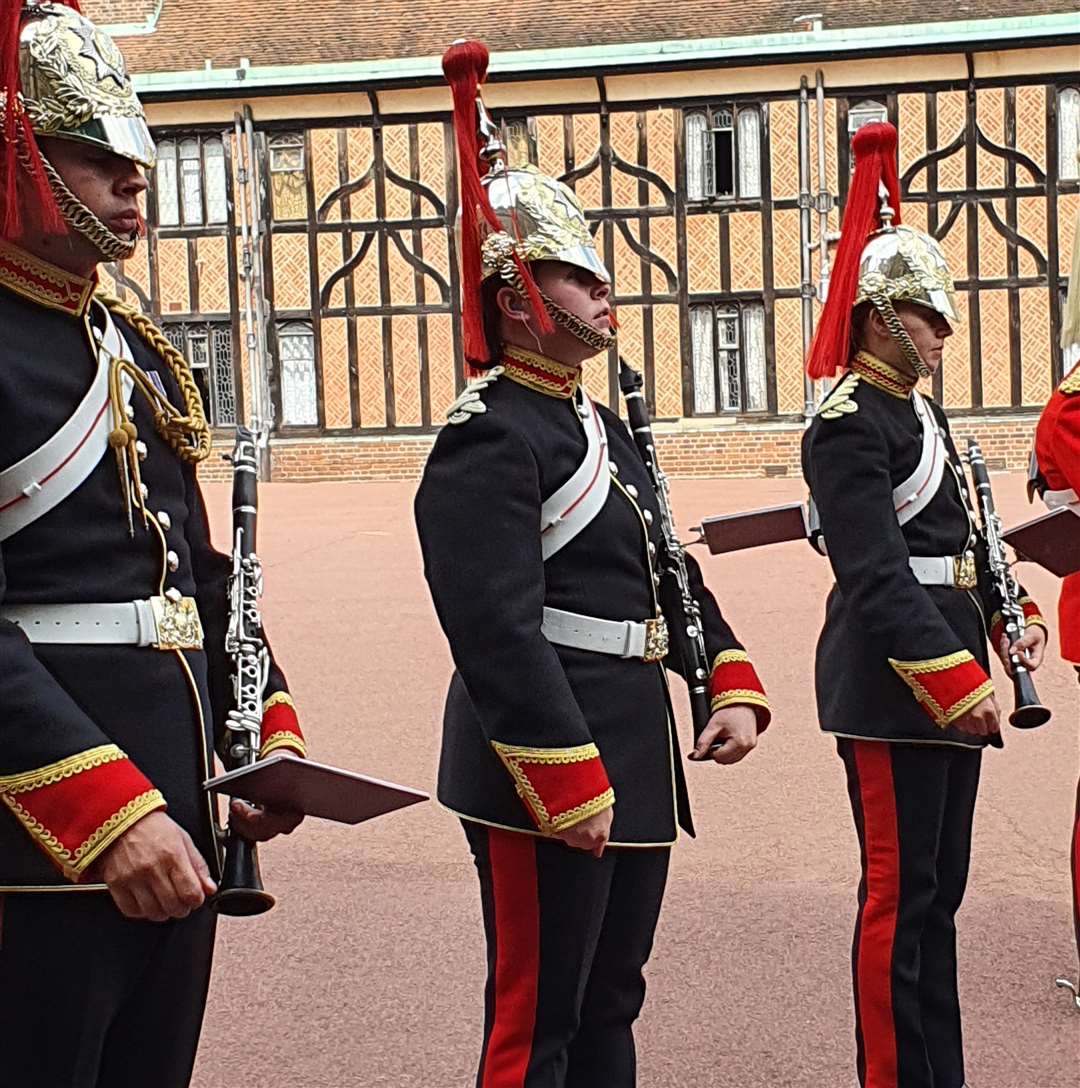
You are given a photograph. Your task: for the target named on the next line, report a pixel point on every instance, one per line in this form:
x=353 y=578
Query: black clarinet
x=241 y=891
x=1029 y=711
x=695 y=660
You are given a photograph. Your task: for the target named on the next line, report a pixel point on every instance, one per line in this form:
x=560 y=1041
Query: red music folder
x=1052 y=541
x=285 y=781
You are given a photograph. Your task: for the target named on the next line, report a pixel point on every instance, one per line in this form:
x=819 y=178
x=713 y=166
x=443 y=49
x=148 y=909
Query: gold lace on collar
x=541 y=374
x=32 y=278
x=883 y=375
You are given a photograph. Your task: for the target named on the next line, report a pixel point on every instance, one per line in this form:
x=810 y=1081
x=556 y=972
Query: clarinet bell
x=1029 y=712
x=241 y=893
x=1030 y=717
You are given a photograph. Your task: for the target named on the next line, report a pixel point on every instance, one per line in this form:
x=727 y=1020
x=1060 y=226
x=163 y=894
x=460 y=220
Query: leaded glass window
x=208 y=348
x=190 y=182
x=728 y=346
x=1069 y=134
x=168 y=205
x=216 y=188
x=288 y=176
x=723 y=153
x=299 y=398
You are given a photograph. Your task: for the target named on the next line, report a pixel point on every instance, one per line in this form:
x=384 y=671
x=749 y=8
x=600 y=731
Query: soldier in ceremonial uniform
x=539 y=530
x=902 y=669
x=114 y=684
x=1057 y=480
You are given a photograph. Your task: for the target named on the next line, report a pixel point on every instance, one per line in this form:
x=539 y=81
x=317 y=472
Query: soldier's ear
x=511 y=304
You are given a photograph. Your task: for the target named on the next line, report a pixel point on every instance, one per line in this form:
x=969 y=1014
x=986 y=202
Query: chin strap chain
x=897 y=331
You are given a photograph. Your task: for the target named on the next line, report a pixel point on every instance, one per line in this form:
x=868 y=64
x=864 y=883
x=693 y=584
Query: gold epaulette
x=839 y=400
x=1071 y=382
x=188 y=434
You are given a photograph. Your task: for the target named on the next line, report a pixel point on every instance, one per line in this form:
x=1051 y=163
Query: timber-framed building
x=301 y=248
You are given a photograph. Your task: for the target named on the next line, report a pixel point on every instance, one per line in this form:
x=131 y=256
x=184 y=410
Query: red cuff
x=1032 y=618
x=76 y=808
x=734 y=682
x=280 y=728
x=559 y=786
x=946 y=687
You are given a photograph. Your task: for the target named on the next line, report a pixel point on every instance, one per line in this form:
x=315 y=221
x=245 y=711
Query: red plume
x=20 y=183
x=875 y=164
x=465 y=67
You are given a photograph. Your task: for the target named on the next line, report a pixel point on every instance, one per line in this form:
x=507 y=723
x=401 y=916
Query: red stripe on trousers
x=517 y=958
x=878 y=924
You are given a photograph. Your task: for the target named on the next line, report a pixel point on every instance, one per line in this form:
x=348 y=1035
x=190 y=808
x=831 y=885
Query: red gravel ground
x=369 y=971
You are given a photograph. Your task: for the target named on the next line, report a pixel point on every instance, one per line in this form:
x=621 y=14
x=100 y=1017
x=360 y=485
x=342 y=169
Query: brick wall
x=764 y=449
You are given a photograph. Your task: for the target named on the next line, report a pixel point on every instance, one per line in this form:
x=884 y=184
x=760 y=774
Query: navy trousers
x=92 y=1000
x=913 y=807
x=568 y=935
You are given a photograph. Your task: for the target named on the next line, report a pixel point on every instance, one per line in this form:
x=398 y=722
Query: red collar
x=38 y=281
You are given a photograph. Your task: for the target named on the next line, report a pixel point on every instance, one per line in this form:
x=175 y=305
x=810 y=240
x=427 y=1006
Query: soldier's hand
x=154 y=871
x=734 y=729
x=1029 y=647
x=591 y=834
x=258 y=824
x=983 y=719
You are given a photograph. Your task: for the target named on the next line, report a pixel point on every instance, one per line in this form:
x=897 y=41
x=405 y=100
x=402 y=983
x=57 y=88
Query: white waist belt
x=957 y=571
x=623 y=638
x=1054 y=499
x=166 y=623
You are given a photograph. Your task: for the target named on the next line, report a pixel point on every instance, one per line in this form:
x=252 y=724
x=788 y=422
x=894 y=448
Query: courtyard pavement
x=368 y=973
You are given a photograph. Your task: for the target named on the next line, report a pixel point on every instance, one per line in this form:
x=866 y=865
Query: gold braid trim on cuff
x=738 y=697
x=964 y=705
x=73 y=863
x=583 y=812
x=909 y=671
x=282 y=739
x=729 y=657
x=64 y=768
x=278 y=698
x=512 y=757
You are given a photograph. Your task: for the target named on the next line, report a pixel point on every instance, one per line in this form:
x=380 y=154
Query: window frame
x=712 y=113
x=171 y=150
x=727 y=307
x=1071 y=178
x=206 y=332
x=294 y=328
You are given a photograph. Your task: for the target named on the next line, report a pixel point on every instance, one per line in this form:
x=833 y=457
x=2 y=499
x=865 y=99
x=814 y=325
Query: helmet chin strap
x=586 y=333
x=563 y=318
x=884 y=306
x=81 y=219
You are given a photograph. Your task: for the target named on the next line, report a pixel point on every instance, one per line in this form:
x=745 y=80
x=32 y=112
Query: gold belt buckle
x=177 y=621
x=656 y=640
x=964 y=574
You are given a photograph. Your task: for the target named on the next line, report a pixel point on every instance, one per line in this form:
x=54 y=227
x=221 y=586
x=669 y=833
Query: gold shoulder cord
x=187 y=432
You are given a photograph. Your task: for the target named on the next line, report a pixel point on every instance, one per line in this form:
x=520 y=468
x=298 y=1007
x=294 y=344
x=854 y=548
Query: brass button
x=652 y=548
x=614 y=468
x=174 y=594
x=173 y=560
x=164 y=520
x=647 y=515
x=141 y=450
x=631 y=491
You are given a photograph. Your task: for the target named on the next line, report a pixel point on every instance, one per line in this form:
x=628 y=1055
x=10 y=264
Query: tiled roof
x=282 y=32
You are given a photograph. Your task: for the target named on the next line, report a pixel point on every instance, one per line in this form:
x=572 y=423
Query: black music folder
x=285 y=781
x=752 y=528
x=1052 y=541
